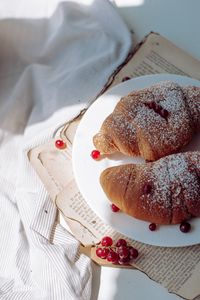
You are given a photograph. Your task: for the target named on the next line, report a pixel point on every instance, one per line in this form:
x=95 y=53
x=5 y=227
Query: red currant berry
x=99 y=252
x=125 y=78
x=105 y=252
x=152 y=226
x=123 y=251
x=121 y=242
x=114 y=208
x=95 y=154
x=185 y=227
x=124 y=260
x=133 y=252
x=60 y=144
x=106 y=241
x=113 y=257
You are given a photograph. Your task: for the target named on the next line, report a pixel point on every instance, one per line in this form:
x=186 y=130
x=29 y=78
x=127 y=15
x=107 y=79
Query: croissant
x=151 y=122
x=166 y=191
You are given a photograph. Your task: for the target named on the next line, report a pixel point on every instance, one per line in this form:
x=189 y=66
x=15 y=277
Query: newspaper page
x=158 y=55
x=178 y=269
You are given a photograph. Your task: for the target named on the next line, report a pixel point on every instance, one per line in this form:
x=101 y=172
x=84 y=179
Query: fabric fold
x=51 y=67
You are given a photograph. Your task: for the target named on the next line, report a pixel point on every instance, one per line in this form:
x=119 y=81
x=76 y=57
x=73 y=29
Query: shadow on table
x=133 y=284
x=128 y=284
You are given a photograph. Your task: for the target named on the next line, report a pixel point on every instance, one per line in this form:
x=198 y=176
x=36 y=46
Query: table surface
x=179 y=22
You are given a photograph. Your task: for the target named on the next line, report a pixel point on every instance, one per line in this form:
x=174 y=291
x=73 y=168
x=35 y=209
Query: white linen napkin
x=54 y=58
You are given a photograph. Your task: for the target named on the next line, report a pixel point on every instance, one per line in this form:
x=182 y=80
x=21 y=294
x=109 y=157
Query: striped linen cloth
x=54 y=58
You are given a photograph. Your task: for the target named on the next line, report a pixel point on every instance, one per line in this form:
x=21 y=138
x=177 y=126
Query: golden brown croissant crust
x=152 y=122
x=164 y=192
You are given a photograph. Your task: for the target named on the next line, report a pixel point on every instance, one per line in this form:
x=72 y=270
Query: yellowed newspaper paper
x=178 y=269
x=159 y=55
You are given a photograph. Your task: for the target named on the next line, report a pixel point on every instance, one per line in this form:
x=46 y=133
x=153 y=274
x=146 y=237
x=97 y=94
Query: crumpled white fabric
x=54 y=58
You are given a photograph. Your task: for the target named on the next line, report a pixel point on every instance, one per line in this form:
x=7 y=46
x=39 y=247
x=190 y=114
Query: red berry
x=106 y=241
x=112 y=257
x=121 y=242
x=123 y=251
x=60 y=144
x=147 y=188
x=185 y=227
x=99 y=252
x=95 y=154
x=124 y=260
x=152 y=226
x=125 y=78
x=133 y=252
x=114 y=208
x=104 y=253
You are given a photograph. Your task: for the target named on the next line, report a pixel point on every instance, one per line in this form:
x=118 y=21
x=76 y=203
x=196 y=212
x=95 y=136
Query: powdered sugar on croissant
x=164 y=192
x=152 y=122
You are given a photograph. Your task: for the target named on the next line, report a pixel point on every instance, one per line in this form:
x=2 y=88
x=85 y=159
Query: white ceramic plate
x=87 y=170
